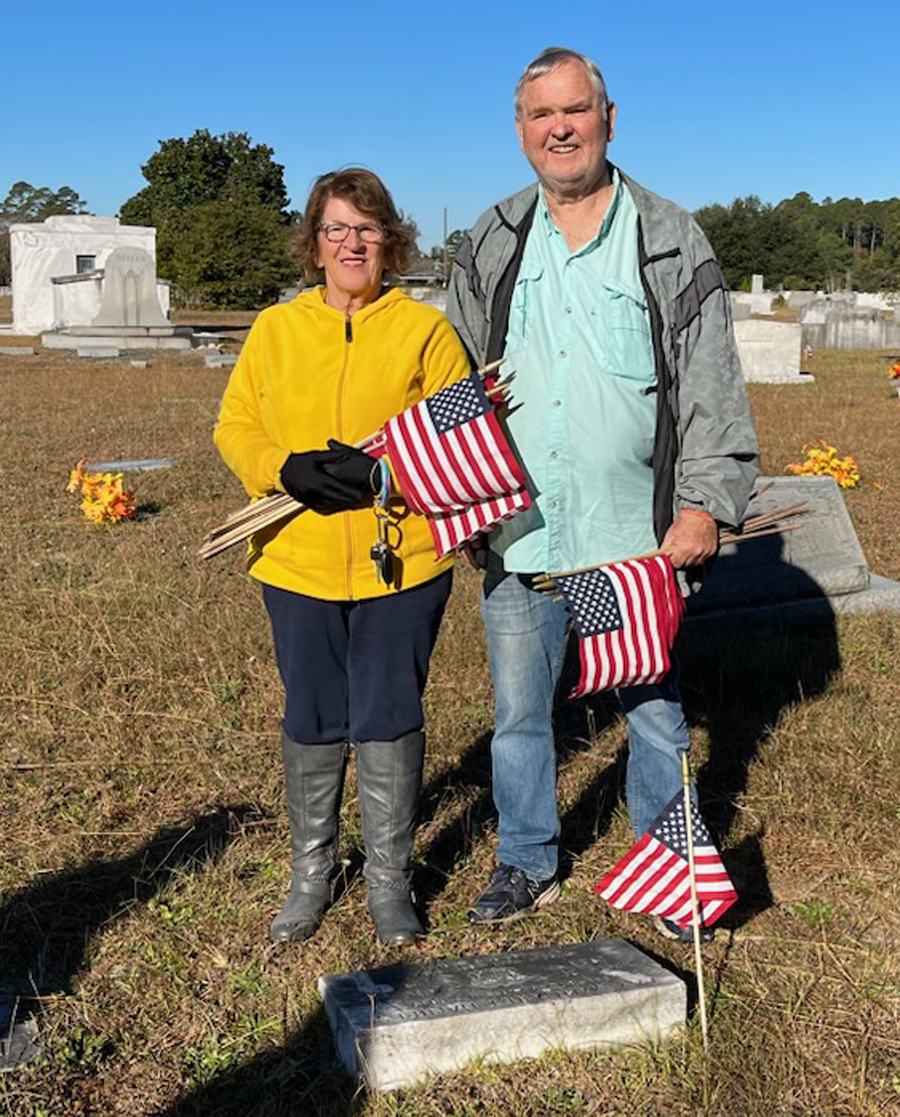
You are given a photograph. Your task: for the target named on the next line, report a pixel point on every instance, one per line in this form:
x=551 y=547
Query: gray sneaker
x=670 y=930
x=510 y=894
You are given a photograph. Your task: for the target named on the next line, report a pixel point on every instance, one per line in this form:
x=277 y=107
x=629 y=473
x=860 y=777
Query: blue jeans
x=527 y=634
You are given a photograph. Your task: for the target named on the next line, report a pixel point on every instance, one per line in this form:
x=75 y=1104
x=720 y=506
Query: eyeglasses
x=338 y=231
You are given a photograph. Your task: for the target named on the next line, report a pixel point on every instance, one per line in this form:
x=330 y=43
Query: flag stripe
x=467 y=447
x=451 y=530
x=498 y=455
x=451 y=491
x=413 y=479
x=657 y=653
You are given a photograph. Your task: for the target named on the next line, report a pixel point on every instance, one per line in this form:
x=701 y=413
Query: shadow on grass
x=454 y=840
x=575 y=725
x=300 y=1077
x=739 y=672
x=46 y=927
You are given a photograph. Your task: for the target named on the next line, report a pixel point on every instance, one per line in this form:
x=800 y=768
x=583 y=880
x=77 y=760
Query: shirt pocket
x=523 y=305
x=624 y=324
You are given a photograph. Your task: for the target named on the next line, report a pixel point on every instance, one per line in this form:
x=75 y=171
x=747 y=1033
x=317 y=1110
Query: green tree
x=232 y=256
x=799 y=243
x=219 y=206
x=737 y=234
x=26 y=203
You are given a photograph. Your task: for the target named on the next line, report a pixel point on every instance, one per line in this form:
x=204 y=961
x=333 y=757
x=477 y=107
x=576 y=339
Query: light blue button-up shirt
x=579 y=342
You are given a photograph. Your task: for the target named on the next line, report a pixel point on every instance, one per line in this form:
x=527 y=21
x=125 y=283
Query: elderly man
x=632 y=424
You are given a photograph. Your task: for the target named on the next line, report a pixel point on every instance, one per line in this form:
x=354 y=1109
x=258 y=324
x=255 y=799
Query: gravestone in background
x=97 y=352
x=769 y=351
x=129 y=295
x=396 y=1025
x=52 y=287
x=849 y=321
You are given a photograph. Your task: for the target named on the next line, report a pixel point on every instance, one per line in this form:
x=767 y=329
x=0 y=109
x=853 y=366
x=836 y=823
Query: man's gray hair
x=548 y=60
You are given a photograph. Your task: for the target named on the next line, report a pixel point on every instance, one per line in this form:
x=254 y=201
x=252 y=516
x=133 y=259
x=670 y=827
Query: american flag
x=627 y=616
x=653 y=877
x=454 y=465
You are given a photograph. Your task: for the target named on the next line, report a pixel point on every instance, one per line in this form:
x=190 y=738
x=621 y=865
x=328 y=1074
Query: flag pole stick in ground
x=695 y=906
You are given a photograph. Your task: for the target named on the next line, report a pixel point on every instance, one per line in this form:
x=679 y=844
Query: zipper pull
x=348 y=329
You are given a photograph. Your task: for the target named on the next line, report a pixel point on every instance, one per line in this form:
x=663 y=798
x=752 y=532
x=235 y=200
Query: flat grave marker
x=133 y=465
x=395 y=1025
x=220 y=360
x=97 y=352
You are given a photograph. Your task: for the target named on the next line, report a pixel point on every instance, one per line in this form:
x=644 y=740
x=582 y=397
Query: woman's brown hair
x=365 y=191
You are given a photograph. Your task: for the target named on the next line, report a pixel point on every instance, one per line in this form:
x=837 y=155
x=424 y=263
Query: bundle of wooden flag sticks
x=627 y=613
x=776 y=522
x=279 y=506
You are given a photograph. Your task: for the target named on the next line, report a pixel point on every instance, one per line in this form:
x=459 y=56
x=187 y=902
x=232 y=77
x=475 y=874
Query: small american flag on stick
x=627 y=616
x=654 y=877
x=454 y=465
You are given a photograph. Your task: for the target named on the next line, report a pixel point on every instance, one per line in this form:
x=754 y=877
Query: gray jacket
x=706 y=453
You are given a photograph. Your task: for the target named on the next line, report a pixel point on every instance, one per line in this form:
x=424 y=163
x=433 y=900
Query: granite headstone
x=820 y=560
x=770 y=351
x=129 y=291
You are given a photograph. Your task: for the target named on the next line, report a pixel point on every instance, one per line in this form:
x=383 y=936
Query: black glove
x=320 y=479
x=354 y=468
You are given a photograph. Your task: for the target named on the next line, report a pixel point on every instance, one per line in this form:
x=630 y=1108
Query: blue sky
x=715 y=100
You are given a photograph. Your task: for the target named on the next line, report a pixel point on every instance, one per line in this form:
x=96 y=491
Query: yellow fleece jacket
x=308 y=373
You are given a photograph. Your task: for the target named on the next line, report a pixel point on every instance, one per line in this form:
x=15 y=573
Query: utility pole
x=446 y=267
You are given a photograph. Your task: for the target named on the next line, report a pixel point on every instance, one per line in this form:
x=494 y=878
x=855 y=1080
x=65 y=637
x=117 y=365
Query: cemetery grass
x=146 y=842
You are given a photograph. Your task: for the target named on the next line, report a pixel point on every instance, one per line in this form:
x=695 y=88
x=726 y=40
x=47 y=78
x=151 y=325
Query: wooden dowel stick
x=695 y=905
x=270 y=509
x=759 y=534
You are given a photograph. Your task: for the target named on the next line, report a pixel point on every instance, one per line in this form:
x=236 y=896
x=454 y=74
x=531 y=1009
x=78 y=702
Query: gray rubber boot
x=389 y=778
x=313 y=781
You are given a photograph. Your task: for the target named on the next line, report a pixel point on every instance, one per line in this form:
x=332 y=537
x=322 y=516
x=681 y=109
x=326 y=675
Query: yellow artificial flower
x=104 y=497
x=822 y=461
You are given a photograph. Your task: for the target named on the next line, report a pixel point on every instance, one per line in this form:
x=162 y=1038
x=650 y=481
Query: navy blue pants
x=355 y=670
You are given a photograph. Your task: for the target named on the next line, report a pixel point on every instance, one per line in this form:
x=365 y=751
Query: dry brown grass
x=147 y=846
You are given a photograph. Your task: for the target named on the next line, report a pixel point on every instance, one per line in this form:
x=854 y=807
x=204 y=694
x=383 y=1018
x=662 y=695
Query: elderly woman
x=355 y=599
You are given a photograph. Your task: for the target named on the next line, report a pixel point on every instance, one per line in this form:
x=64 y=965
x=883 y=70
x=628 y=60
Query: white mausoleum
x=57 y=269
